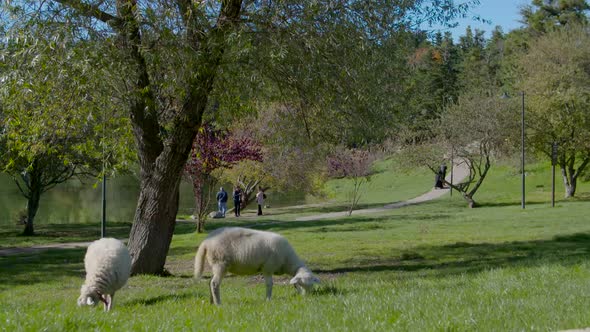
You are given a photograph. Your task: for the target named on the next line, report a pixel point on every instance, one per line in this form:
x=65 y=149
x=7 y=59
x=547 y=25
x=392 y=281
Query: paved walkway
x=460 y=171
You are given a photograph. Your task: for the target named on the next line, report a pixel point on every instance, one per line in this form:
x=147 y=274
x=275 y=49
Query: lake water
x=80 y=202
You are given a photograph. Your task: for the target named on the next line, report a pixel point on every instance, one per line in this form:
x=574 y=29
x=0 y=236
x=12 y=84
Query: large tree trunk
x=570 y=181
x=155 y=216
x=32 y=190
x=32 y=208
x=570 y=174
x=153 y=224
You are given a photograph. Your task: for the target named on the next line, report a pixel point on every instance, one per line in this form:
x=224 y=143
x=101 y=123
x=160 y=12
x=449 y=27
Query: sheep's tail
x=200 y=260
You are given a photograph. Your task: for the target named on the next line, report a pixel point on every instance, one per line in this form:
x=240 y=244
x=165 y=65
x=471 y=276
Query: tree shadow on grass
x=439 y=261
x=462 y=257
x=582 y=198
x=505 y=204
x=41 y=267
x=383 y=221
x=328 y=290
x=329 y=208
x=11 y=236
x=163 y=298
x=184 y=228
x=179 y=251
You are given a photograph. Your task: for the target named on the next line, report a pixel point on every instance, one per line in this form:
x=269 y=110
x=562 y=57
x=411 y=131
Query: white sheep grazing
x=108 y=265
x=245 y=251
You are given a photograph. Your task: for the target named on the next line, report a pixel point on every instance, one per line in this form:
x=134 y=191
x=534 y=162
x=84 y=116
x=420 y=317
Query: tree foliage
x=556 y=80
x=353 y=164
x=214 y=151
x=473 y=132
x=53 y=124
x=543 y=16
x=167 y=57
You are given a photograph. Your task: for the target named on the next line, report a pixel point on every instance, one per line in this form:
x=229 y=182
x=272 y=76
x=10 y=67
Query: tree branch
x=143 y=115
x=27 y=196
x=88 y=10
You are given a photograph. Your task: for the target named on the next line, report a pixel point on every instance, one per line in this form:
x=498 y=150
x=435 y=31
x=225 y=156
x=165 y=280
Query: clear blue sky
x=505 y=13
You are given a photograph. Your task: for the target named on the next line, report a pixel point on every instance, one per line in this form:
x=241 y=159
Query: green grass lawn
x=389 y=183
x=429 y=267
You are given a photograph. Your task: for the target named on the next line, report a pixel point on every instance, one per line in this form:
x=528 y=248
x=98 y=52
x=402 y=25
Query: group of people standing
x=222 y=198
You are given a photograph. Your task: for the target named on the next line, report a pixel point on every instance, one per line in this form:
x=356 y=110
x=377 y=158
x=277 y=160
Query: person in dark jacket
x=443 y=172
x=260 y=196
x=440 y=177
x=222 y=201
x=237 y=195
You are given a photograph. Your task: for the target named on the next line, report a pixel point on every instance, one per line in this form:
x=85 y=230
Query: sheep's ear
x=315 y=280
x=294 y=281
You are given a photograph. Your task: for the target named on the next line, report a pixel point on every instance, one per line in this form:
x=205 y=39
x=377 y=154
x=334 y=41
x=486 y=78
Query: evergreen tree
x=545 y=15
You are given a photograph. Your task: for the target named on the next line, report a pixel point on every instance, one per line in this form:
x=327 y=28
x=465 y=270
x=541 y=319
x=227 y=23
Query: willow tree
x=52 y=126
x=166 y=60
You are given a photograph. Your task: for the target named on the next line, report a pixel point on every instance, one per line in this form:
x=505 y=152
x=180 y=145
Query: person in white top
x=260 y=196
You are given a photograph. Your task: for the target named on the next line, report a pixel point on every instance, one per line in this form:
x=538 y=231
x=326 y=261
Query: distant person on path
x=443 y=172
x=440 y=177
x=260 y=196
x=237 y=195
x=222 y=201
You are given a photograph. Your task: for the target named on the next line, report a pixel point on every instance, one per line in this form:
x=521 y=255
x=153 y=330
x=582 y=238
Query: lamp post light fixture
x=522 y=156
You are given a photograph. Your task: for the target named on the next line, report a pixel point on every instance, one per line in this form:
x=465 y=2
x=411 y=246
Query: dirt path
x=459 y=173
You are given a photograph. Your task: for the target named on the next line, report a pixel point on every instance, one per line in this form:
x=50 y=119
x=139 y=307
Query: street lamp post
x=522 y=203
x=522 y=156
x=553 y=162
x=103 y=222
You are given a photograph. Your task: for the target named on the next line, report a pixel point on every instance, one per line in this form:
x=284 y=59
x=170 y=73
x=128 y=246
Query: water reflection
x=80 y=202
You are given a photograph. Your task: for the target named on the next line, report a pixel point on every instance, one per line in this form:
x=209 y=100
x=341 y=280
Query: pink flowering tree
x=215 y=150
x=353 y=164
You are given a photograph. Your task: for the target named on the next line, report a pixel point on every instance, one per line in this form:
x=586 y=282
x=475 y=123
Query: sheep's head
x=88 y=297
x=304 y=280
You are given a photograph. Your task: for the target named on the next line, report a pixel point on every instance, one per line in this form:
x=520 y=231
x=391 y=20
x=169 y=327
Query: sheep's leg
x=107 y=300
x=268 y=281
x=299 y=289
x=215 y=296
x=110 y=300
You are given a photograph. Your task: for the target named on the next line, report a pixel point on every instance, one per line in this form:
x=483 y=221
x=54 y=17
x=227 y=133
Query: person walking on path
x=237 y=195
x=439 y=178
x=260 y=196
x=443 y=173
x=222 y=201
